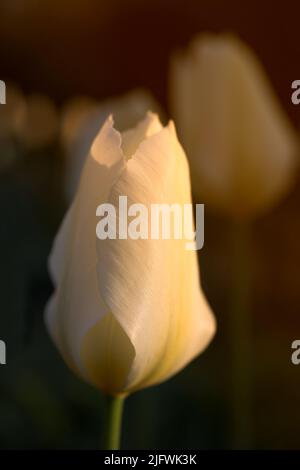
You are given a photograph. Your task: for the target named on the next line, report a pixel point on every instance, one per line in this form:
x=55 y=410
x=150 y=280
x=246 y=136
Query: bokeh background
x=100 y=48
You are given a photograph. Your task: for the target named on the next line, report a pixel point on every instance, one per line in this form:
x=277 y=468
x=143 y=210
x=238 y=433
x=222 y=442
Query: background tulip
x=127 y=314
x=241 y=146
x=243 y=154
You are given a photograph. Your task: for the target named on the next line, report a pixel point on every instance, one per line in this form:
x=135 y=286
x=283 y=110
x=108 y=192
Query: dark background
x=102 y=48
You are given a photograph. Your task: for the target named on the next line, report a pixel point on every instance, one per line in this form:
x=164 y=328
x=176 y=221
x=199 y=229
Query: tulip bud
x=241 y=146
x=127 y=314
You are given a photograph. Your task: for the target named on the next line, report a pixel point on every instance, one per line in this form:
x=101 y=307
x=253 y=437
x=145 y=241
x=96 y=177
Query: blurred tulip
x=76 y=113
x=82 y=118
x=37 y=124
x=127 y=314
x=241 y=146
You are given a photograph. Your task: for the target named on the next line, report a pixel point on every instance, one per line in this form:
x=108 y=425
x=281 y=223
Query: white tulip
x=241 y=146
x=127 y=314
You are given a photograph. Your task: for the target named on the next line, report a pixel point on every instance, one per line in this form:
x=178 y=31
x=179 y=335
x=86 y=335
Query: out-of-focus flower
x=127 y=314
x=241 y=146
x=76 y=114
x=37 y=125
x=82 y=118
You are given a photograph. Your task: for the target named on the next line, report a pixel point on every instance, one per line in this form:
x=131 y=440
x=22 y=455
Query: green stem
x=241 y=337
x=113 y=422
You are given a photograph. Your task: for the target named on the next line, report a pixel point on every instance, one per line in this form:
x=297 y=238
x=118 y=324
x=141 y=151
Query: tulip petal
x=152 y=286
x=76 y=305
x=107 y=355
x=132 y=138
